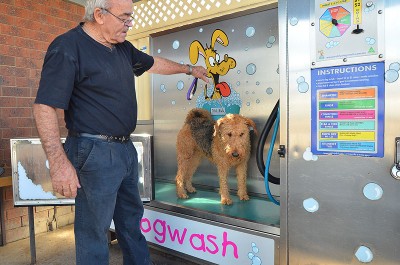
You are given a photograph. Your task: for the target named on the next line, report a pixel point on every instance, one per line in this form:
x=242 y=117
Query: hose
x=260 y=146
x=268 y=163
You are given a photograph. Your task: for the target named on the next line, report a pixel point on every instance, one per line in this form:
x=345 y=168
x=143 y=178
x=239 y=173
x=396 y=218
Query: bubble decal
x=309 y=156
x=250 y=31
x=370 y=41
x=331 y=44
x=293 y=21
x=364 y=254
x=392 y=74
x=180 y=85
x=302 y=85
x=175 y=45
x=238 y=71
x=173 y=102
x=159 y=51
x=373 y=191
x=251 y=69
x=271 y=41
x=370 y=6
x=311 y=205
x=252 y=255
x=269 y=90
x=163 y=88
x=200 y=30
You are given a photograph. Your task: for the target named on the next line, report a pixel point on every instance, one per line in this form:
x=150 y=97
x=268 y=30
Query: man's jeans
x=108 y=174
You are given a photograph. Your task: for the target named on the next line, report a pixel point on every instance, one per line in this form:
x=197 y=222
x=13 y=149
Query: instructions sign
x=348 y=110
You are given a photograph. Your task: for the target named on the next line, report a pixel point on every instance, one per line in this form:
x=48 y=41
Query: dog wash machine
x=330 y=71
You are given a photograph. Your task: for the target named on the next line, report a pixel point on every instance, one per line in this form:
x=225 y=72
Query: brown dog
x=225 y=142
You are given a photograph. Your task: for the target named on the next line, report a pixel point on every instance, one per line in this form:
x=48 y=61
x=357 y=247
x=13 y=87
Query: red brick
x=20 y=91
x=27 y=43
x=7 y=80
x=8 y=194
x=44 y=208
x=12 y=30
x=42 y=214
x=8 y=102
x=7 y=70
x=13 y=223
x=6 y=40
x=20 y=82
x=17 y=234
x=6 y=19
x=25 y=102
x=62 y=210
x=7 y=133
x=16 y=112
x=16 y=212
x=7 y=60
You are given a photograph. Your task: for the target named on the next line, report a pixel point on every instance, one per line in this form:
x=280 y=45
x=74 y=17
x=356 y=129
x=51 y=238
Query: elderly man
x=89 y=73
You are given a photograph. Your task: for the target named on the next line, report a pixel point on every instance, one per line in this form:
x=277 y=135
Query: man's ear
x=99 y=16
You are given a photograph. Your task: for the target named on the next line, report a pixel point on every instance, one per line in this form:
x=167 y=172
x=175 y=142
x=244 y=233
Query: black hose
x=261 y=143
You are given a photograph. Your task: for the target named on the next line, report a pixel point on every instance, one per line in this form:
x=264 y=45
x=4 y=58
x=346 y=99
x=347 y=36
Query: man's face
x=114 y=29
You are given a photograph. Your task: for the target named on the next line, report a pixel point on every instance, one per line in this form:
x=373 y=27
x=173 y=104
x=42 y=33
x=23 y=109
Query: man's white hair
x=91 y=5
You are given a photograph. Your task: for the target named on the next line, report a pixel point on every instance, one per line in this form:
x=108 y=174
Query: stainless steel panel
x=346 y=219
x=171 y=106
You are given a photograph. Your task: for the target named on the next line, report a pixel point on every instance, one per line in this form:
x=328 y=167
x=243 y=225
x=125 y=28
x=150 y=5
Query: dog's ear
x=217 y=125
x=251 y=124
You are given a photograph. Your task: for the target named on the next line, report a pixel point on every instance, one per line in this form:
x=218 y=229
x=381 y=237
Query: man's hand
x=200 y=72
x=64 y=178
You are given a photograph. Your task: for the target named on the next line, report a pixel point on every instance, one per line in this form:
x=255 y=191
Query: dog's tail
x=202 y=127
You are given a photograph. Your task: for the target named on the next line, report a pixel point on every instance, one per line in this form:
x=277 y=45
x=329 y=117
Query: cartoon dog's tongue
x=224 y=89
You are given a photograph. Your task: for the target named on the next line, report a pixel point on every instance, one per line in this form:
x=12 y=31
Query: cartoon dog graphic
x=215 y=66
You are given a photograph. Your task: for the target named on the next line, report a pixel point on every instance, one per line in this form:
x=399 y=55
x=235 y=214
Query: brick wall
x=26 y=29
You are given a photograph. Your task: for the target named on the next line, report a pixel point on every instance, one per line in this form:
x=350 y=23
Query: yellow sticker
x=357 y=16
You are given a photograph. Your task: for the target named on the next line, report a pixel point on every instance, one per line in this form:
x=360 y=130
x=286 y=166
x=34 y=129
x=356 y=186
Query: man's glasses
x=125 y=21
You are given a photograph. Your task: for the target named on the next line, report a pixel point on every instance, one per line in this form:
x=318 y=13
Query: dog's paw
x=191 y=189
x=182 y=195
x=244 y=197
x=226 y=201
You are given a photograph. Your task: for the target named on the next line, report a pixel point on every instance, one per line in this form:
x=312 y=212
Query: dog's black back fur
x=202 y=128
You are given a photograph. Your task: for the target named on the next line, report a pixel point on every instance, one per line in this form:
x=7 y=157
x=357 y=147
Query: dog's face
x=233 y=132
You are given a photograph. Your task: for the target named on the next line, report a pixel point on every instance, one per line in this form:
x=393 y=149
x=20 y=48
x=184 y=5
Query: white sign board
x=207 y=242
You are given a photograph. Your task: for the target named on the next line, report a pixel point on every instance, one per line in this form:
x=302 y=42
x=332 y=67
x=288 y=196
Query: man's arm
x=164 y=66
x=63 y=174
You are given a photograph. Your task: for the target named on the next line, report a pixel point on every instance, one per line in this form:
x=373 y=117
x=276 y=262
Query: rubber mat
x=256 y=209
